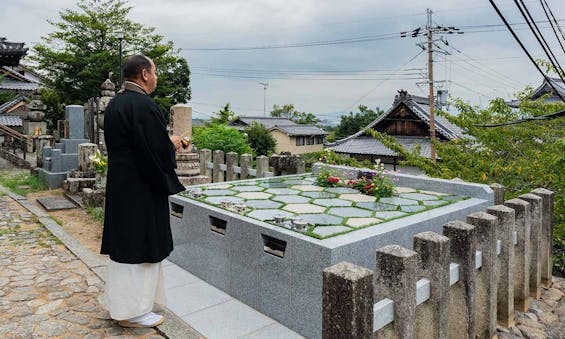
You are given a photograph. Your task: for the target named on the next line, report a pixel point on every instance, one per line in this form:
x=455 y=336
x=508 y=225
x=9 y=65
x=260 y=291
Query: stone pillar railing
x=205 y=159
x=485 y=284
x=218 y=175
x=462 y=294
x=456 y=285
x=498 y=190
x=245 y=162
x=547 y=233
x=231 y=163
x=396 y=280
x=505 y=291
x=521 y=253
x=535 y=243
x=434 y=250
x=347 y=302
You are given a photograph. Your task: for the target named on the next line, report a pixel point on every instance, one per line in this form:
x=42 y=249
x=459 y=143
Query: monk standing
x=141 y=176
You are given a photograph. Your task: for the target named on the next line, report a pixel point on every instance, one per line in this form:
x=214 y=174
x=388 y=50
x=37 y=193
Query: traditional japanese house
x=408 y=121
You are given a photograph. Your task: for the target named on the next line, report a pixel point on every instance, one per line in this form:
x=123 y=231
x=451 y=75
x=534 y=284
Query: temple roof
x=11 y=52
x=359 y=143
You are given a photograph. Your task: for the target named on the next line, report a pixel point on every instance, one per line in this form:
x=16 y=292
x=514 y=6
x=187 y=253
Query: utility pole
x=265 y=85
x=431 y=86
x=428 y=31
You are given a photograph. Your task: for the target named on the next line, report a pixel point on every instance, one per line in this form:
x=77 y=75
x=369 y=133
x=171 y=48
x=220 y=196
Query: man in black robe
x=141 y=176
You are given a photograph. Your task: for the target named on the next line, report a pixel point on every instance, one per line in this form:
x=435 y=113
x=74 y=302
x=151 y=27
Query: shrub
x=221 y=137
x=261 y=140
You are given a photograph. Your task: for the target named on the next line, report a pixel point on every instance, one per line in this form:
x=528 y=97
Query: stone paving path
x=545 y=317
x=45 y=291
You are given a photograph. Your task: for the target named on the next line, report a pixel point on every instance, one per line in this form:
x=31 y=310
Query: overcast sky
x=330 y=79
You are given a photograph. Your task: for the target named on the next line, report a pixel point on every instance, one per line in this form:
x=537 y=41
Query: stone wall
x=459 y=285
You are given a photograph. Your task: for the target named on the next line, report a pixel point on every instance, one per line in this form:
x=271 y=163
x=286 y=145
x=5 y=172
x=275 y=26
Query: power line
x=549 y=116
x=351 y=40
x=382 y=82
x=539 y=37
x=524 y=49
x=239 y=76
x=557 y=24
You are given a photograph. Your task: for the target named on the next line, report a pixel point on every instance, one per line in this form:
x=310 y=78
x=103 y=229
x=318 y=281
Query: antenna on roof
x=265 y=85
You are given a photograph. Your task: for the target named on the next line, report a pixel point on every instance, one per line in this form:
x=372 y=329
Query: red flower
x=333 y=180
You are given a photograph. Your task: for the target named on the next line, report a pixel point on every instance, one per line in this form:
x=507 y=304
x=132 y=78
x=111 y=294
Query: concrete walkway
x=195 y=309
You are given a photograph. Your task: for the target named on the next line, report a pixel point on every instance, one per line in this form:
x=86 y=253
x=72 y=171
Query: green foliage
x=6 y=96
x=223 y=116
x=330 y=157
x=521 y=157
x=55 y=109
x=221 y=137
x=354 y=122
x=84 y=48
x=288 y=111
x=261 y=140
x=97 y=213
x=22 y=183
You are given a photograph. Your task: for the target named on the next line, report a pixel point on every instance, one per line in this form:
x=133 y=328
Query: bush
x=221 y=137
x=261 y=140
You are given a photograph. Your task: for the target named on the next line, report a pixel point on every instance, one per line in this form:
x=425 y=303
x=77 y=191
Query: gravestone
x=188 y=164
x=60 y=160
x=55 y=203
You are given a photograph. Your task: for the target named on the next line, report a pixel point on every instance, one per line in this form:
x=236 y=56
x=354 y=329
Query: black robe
x=141 y=176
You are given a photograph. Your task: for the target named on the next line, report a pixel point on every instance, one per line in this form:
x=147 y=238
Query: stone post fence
x=222 y=167
x=457 y=285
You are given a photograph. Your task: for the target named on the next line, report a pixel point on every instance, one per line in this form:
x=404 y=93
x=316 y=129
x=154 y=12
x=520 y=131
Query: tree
x=261 y=140
x=521 y=157
x=288 y=111
x=354 y=122
x=223 y=116
x=221 y=137
x=84 y=48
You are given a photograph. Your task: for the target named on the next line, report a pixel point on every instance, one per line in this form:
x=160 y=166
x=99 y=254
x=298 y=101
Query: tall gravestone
x=60 y=160
x=188 y=165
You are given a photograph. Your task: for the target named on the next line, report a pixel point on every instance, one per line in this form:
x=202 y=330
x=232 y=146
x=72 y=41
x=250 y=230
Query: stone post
x=245 y=163
x=462 y=239
x=485 y=283
x=205 y=158
x=262 y=166
x=231 y=162
x=218 y=174
x=181 y=117
x=396 y=280
x=505 y=294
x=535 y=243
x=86 y=150
x=434 y=252
x=521 y=253
x=498 y=190
x=41 y=142
x=547 y=234
x=347 y=310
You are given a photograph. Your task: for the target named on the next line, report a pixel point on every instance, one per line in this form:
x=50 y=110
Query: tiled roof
x=443 y=127
x=10 y=120
x=18 y=85
x=268 y=122
x=299 y=129
x=544 y=88
x=372 y=146
x=15 y=74
x=9 y=104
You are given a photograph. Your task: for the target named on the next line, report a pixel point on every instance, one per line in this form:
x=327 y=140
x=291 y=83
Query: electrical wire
x=382 y=82
x=539 y=37
x=524 y=49
x=552 y=27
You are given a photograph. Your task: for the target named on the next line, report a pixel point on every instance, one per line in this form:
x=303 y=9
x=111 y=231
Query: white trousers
x=132 y=289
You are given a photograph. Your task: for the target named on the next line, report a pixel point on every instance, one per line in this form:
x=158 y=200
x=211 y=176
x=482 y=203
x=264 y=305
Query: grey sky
x=491 y=63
